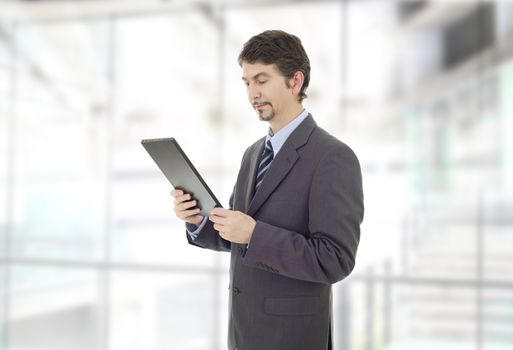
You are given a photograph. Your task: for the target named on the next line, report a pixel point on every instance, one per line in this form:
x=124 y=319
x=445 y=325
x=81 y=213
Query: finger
x=177 y=193
x=219 y=227
x=186 y=205
x=220 y=212
x=217 y=219
x=187 y=214
x=221 y=234
x=182 y=198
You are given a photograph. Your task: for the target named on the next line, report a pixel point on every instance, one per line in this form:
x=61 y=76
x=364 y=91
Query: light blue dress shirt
x=277 y=140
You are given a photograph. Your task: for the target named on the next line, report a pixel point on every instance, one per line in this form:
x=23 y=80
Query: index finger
x=220 y=212
x=176 y=193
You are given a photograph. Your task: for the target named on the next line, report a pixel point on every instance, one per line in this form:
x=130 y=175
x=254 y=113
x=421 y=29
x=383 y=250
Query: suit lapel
x=252 y=172
x=280 y=166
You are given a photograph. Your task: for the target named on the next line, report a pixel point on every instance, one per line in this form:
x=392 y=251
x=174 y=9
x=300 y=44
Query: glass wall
x=5 y=112
x=176 y=94
x=60 y=141
x=91 y=255
x=5 y=304
x=162 y=311
x=54 y=308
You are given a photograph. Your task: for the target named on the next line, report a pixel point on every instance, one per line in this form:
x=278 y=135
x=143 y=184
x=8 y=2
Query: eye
x=261 y=82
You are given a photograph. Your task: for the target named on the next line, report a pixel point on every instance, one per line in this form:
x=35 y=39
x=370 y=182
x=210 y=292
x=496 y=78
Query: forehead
x=252 y=70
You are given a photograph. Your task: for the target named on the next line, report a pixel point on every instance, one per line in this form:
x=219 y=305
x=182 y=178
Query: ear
x=296 y=82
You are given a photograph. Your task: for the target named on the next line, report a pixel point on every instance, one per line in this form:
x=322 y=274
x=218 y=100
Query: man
x=293 y=225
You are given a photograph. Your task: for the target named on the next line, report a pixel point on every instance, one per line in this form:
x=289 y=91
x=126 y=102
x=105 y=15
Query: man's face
x=267 y=90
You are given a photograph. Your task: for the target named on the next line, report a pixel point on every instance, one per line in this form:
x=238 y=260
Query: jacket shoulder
x=254 y=147
x=324 y=142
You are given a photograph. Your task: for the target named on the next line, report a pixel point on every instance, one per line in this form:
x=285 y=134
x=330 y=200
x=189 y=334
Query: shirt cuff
x=193 y=231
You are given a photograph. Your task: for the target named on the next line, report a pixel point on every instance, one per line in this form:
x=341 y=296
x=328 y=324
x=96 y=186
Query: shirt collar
x=278 y=139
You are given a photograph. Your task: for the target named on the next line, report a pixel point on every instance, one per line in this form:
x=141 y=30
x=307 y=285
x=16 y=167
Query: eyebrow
x=256 y=76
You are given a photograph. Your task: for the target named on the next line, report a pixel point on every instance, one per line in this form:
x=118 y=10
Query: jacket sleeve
x=335 y=212
x=208 y=237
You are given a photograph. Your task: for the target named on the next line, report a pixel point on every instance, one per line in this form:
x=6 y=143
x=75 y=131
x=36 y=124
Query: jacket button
x=236 y=291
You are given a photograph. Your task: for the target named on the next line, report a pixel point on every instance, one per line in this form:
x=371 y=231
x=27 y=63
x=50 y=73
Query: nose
x=253 y=92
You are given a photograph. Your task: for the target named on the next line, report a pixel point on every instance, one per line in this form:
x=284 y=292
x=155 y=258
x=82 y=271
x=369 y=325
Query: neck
x=278 y=123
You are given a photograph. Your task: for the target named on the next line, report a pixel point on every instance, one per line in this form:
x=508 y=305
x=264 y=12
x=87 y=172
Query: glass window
x=54 y=308
x=60 y=141
x=166 y=86
x=5 y=110
x=505 y=108
x=3 y=308
x=371 y=51
x=496 y=236
x=163 y=311
x=497 y=308
x=408 y=315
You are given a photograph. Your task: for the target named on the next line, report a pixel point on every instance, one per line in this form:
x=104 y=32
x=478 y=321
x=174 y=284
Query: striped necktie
x=265 y=162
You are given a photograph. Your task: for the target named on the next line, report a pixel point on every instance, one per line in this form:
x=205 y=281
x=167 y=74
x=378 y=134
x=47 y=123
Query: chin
x=266 y=118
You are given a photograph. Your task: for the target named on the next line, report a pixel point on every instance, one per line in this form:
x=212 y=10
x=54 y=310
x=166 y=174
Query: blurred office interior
x=91 y=255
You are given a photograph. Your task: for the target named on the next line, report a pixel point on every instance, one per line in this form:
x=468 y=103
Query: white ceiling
x=17 y=10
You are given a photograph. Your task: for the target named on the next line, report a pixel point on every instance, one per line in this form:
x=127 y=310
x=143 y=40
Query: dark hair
x=279 y=48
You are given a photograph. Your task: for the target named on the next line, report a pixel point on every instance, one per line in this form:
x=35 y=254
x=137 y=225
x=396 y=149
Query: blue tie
x=265 y=163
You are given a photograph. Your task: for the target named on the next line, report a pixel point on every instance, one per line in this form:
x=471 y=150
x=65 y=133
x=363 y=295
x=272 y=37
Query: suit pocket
x=293 y=306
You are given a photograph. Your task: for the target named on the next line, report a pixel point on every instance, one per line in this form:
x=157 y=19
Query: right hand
x=186 y=207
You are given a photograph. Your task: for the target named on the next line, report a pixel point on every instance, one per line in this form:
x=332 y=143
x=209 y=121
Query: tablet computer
x=178 y=169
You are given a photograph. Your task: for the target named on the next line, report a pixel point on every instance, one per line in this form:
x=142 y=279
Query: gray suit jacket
x=308 y=212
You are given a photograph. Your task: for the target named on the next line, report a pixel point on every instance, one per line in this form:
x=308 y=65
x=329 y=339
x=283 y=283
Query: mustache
x=256 y=103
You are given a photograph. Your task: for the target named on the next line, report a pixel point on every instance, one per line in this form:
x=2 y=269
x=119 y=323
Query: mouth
x=260 y=105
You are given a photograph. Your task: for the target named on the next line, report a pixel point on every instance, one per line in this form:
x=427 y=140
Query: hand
x=233 y=226
x=185 y=208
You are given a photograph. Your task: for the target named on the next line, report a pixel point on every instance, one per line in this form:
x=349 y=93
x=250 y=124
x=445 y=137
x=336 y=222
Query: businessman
x=293 y=223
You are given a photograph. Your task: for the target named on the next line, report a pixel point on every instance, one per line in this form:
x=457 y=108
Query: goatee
x=265 y=118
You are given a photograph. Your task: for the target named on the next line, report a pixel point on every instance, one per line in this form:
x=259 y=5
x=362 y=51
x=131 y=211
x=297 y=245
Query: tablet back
x=178 y=169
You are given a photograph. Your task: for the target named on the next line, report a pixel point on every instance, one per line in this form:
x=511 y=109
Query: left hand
x=233 y=226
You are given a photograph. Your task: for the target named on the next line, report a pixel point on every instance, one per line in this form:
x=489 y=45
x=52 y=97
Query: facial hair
x=266 y=118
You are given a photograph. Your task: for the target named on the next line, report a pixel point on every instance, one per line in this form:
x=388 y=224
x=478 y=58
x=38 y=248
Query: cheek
x=268 y=93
